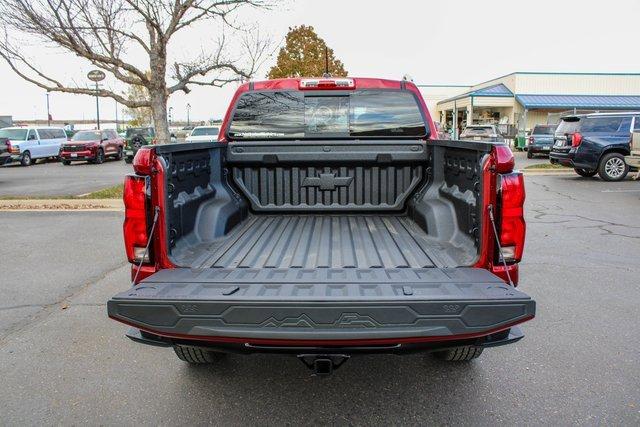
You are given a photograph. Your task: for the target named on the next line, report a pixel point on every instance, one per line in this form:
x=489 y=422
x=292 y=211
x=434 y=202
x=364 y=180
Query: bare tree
x=114 y=35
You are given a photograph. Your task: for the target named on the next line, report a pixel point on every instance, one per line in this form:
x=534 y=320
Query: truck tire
x=459 y=354
x=613 y=167
x=586 y=172
x=196 y=356
x=529 y=154
x=25 y=160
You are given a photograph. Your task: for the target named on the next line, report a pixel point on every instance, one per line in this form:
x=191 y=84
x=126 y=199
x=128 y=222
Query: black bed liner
x=320 y=304
x=324 y=241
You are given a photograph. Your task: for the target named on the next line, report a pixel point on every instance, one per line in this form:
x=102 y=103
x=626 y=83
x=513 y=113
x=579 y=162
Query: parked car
x=139 y=137
x=541 y=140
x=5 y=154
x=93 y=146
x=487 y=133
x=595 y=143
x=135 y=139
x=27 y=144
x=203 y=134
x=323 y=227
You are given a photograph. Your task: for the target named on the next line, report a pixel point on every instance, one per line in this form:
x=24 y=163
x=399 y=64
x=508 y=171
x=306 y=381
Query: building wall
x=433 y=94
x=577 y=84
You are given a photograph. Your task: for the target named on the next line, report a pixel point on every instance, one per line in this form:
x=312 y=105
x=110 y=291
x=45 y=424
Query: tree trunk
x=159 y=112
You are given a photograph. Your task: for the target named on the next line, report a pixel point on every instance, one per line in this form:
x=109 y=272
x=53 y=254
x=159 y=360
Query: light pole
x=48 y=114
x=188 y=109
x=96 y=76
x=117 y=129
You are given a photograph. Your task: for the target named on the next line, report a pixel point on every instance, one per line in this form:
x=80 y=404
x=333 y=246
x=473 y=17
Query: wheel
x=459 y=354
x=137 y=142
x=120 y=154
x=66 y=162
x=195 y=355
x=99 y=157
x=128 y=160
x=529 y=154
x=612 y=167
x=586 y=172
x=25 y=160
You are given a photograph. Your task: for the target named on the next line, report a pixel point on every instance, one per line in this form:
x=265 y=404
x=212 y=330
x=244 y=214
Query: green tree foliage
x=303 y=55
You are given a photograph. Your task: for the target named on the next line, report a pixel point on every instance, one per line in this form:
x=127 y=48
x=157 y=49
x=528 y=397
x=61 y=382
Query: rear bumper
x=633 y=161
x=474 y=304
x=544 y=149
x=508 y=336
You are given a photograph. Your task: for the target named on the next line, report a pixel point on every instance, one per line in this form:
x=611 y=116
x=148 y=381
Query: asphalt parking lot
x=63 y=361
x=55 y=179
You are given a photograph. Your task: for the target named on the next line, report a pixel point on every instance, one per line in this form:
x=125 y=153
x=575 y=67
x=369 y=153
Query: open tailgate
x=322 y=304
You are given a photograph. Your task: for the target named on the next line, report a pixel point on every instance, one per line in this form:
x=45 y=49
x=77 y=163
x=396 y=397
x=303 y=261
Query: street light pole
x=97 y=107
x=188 y=109
x=48 y=114
x=117 y=129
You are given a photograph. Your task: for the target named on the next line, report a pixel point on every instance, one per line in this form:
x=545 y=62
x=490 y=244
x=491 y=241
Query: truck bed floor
x=321 y=241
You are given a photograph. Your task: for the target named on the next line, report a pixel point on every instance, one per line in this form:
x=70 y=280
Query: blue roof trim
x=580 y=101
x=497 y=90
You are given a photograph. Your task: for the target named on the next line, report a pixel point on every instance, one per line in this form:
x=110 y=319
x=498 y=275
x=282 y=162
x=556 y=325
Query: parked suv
x=541 y=140
x=136 y=138
x=595 y=143
x=489 y=133
x=28 y=144
x=93 y=146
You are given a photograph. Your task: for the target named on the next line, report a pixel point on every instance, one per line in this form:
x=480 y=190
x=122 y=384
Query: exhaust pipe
x=323 y=365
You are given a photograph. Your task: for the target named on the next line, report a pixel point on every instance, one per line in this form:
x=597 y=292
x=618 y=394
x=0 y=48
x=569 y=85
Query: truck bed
x=322 y=241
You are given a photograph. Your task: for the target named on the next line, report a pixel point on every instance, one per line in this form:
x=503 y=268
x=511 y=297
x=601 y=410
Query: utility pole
x=170 y=115
x=188 y=109
x=117 y=128
x=97 y=107
x=96 y=76
x=48 y=114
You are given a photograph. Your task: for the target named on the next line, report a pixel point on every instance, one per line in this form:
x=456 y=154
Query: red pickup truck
x=327 y=221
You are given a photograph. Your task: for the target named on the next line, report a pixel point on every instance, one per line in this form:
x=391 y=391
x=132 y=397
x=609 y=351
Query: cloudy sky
x=436 y=42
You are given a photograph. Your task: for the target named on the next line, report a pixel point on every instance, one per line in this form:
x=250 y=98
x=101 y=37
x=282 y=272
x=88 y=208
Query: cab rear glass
x=300 y=115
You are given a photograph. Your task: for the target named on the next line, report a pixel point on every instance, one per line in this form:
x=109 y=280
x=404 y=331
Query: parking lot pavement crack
x=546 y=188
x=61 y=303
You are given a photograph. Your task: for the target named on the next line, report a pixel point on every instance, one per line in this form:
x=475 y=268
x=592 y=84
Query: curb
x=549 y=172
x=80 y=205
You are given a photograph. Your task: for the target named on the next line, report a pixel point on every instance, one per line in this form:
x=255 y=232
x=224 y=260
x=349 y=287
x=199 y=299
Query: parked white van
x=27 y=144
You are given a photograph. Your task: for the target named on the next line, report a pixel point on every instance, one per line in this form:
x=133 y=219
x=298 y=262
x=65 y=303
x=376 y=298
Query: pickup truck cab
x=541 y=140
x=326 y=222
x=27 y=144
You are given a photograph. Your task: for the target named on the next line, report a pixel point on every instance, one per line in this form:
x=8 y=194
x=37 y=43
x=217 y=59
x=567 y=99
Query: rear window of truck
x=299 y=115
x=543 y=130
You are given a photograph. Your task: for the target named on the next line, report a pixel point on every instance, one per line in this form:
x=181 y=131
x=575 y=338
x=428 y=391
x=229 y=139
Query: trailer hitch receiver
x=323 y=365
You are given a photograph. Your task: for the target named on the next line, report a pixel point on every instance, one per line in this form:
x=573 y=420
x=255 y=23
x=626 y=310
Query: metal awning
x=590 y=102
x=498 y=90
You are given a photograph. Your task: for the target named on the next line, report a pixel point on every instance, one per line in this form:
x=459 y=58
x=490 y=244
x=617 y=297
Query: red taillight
x=327 y=84
x=135 y=216
x=143 y=161
x=505 y=162
x=512 y=225
x=576 y=139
